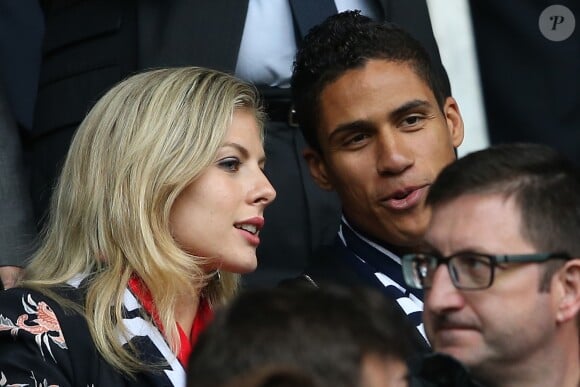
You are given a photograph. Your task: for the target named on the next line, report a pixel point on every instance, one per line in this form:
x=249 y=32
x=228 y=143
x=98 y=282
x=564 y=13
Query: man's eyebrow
x=362 y=125
x=472 y=250
x=410 y=105
x=354 y=126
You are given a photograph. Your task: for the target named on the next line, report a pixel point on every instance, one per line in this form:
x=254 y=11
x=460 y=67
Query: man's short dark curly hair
x=346 y=41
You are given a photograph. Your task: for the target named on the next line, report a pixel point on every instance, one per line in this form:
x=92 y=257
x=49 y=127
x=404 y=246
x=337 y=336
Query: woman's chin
x=240 y=265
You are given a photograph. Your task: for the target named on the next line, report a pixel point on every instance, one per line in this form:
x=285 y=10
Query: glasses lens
x=471 y=271
x=417 y=269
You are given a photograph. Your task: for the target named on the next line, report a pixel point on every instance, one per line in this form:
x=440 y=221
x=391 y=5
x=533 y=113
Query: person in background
x=17 y=228
x=21 y=33
x=158 y=210
x=531 y=38
x=332 y=336
x=380 y=124
x=501 y=269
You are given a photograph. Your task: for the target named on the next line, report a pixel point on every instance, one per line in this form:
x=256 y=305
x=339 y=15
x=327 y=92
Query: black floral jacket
x=43 y=345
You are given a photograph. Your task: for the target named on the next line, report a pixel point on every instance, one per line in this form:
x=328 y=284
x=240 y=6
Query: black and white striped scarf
x=378 y=265
x=149 y=342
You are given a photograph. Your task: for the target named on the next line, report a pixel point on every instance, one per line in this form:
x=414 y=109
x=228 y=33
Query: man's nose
x=443 y=295
x=393 y=155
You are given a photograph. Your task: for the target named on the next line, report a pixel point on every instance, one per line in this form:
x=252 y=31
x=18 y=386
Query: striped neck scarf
x=381 y=267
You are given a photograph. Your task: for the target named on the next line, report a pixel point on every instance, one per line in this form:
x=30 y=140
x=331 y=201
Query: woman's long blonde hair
x=137 y=149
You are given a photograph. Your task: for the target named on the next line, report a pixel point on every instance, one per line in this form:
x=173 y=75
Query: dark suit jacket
x=16 y=222
x=21 y=28
x=531 y=85
x=92 y=44
x=327 y=269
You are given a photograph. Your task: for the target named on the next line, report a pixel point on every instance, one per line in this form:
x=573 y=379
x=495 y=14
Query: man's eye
x=231 y=164
x=412 y=120
x=475 y=262
x=357 y=138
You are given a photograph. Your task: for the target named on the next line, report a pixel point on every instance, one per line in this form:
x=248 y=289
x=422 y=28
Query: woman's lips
x=253 y=239
x=250 y=229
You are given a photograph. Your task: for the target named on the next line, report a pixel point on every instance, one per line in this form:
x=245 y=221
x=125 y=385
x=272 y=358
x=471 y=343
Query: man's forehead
x=375 y=68
x=486 y=223
x=354 y=94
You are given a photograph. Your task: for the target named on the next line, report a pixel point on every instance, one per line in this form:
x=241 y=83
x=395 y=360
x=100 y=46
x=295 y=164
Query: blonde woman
x=158 y=209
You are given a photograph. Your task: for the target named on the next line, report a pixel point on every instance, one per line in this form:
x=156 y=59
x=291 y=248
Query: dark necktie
x=308 y=13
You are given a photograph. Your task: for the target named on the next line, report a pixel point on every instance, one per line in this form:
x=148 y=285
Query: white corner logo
x=557 y=23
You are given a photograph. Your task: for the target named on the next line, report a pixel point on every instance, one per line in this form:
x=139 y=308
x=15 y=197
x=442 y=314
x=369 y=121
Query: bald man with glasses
x=501 y=270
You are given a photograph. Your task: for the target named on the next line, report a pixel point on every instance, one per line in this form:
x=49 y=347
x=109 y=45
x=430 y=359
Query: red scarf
x=202 y=318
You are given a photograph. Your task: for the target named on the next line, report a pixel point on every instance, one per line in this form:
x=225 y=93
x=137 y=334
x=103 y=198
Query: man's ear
x=454 y=121
x=317 y=168
x=569 y=286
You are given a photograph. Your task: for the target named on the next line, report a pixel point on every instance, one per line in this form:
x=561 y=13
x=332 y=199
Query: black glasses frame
x=414 y=279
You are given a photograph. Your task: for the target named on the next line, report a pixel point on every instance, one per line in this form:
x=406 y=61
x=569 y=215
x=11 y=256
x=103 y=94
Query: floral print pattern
x=33 y=350
x=43 y=326
x=43 y=383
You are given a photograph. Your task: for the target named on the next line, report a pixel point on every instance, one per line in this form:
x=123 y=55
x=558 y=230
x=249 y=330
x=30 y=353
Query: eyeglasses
x=468 y=271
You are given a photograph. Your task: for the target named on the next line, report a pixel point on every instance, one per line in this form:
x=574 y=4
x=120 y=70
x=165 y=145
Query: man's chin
x=408 y=239
x=409 y=231
x=464 y=355
x=463 y=349
x=406 y=232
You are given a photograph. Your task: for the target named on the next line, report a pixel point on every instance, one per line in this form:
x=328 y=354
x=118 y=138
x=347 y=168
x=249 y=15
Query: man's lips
x=453 y=334
x=455 y=327
x=454 y=324
x=406 y=198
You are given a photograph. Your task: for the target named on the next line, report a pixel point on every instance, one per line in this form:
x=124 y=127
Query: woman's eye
x=231 y=164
